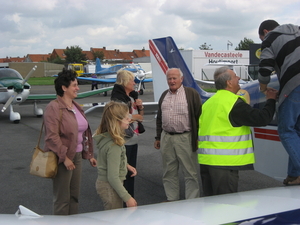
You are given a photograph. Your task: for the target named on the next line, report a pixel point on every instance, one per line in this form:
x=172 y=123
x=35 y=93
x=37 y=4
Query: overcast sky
x=39 y=26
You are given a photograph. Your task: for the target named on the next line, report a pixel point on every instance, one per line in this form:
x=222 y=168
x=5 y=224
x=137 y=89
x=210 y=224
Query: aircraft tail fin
x=167 y=55
x=98 y=65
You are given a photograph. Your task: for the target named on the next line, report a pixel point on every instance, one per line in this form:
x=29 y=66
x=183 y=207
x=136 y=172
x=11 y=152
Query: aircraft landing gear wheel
x=105 y=93
x=141 y=92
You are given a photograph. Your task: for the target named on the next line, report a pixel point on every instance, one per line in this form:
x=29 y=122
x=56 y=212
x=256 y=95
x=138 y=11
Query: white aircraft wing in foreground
x=279 y=205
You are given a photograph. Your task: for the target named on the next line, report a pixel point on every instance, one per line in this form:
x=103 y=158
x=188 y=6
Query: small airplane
x=111 y=72
x=15 y=90
x=208 y=84
x=108 y=76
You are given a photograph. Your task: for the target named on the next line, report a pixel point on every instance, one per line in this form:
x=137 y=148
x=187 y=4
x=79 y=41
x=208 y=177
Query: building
x=198 y=62
x=114 y=56
x=37 y=57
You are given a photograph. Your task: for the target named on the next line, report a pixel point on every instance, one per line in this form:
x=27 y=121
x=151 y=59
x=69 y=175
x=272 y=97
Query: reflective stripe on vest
x=225 y=138
x=226 y=160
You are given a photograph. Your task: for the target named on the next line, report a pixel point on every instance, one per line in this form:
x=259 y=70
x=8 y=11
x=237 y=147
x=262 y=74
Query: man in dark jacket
x=280 y=51
x=176 y=128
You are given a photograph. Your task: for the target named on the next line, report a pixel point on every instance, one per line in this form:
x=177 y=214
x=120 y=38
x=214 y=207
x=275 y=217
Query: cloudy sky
x=39 y=26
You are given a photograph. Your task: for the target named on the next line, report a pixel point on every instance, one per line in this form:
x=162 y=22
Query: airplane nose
x=18 y=87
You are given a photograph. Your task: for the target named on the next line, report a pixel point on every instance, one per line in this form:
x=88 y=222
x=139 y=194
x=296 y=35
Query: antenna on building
x=229 y=43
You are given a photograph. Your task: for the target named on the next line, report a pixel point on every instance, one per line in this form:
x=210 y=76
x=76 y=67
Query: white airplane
x=265 y=206
x=207 y=84
x=278 y=205
x=15 y=90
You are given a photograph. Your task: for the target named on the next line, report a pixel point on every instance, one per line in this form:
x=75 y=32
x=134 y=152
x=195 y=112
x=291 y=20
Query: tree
x=205 y=47
x=74 y=54
x=244 y=44
x=98 y=54
x=56 y=60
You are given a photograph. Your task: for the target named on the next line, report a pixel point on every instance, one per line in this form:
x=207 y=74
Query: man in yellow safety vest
x=225 y=139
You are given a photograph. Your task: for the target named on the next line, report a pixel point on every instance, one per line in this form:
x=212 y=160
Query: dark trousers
x=217 y=181
x=94 y=86
x=66 y=188
x=131 y=154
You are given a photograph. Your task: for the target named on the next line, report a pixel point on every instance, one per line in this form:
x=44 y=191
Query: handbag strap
x=41 y=131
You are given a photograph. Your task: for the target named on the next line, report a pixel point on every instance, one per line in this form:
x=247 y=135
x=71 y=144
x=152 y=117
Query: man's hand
x=157 y=144
x=271 y=93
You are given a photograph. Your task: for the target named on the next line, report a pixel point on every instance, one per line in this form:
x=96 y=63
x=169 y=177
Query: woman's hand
x=131 y=202
x=132 y=170
x=93 y=162
x=69 y=164
x=137 y=117
x=139 y=103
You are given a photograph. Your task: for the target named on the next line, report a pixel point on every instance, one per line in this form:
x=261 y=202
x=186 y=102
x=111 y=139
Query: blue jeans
x=289 y=130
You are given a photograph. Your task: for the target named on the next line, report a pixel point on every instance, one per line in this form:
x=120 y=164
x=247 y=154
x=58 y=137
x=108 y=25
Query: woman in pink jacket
x=67 y=133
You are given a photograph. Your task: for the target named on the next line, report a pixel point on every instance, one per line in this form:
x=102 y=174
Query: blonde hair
x=113 y=114
x=123 y=77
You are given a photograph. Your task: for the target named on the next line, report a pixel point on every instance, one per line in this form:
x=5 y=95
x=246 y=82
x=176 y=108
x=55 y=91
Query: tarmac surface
x=18 y=187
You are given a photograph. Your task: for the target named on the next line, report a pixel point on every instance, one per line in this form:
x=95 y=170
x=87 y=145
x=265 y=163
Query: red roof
x=118 y=55
x=12 y=59
x=58 y=52
x=108 y=55
x=37 y=57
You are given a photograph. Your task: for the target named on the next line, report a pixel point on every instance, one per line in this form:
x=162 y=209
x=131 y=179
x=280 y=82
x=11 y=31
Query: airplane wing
x=146 y=80
x=149 y=107
x=111 y=80
x=107 y=80
x=206 y=84
x=249 y=207
x=41 y=97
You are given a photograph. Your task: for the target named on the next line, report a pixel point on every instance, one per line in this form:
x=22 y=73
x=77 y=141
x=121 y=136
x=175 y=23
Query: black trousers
x=217 y=181
x=131 y=154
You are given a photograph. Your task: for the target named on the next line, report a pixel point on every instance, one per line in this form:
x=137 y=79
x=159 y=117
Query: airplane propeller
x=140 y=75
x=14 y=95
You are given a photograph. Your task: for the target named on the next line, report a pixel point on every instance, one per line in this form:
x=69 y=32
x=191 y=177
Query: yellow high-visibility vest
x=221 y=144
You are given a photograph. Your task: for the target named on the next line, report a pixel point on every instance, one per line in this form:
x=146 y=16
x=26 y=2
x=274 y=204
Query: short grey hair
x=221 y=76
x=180 y=72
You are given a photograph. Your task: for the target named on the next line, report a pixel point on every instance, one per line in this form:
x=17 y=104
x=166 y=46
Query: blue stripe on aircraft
x=288 y=217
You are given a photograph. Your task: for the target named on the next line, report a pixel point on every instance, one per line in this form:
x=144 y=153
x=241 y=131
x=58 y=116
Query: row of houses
x=109 y=55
